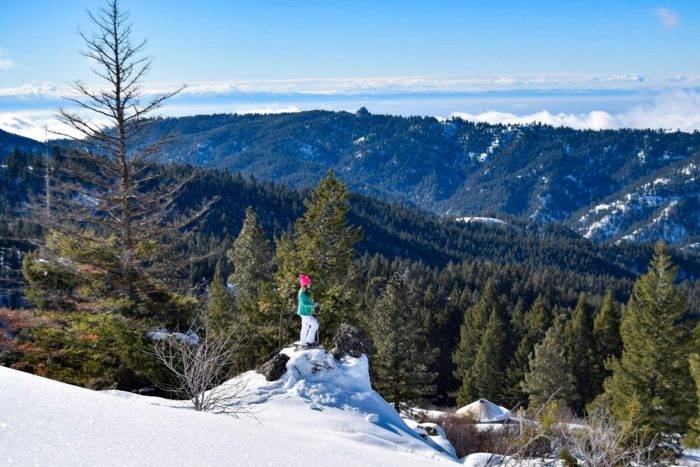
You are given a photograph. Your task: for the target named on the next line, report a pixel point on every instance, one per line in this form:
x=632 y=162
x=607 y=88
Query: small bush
x=467 y=438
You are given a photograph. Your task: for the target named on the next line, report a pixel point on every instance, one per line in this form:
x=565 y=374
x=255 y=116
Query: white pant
x=309 y=326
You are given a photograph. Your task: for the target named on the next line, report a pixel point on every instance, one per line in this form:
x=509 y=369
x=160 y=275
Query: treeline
x=393 y=231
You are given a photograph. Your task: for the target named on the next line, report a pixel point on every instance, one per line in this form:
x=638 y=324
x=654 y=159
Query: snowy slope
x=320 y=413
x=663 y=208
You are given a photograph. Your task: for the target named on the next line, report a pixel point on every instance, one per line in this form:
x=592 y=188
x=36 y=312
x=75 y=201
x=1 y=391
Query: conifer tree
x=692 y=439
x=252 y=261
x=402 y=358
x=579 y=344
x=252 y=276
x=549 y=377
x=322 y=247
x=473 y=327
x=111 y=222
x=606 y=328
x=487 y=376
x=606 y=331
x=220 y=315
x=651 y=385
x=534 y=323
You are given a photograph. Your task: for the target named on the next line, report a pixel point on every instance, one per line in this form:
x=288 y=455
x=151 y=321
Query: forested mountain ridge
x=456 y=167
x=11 y=141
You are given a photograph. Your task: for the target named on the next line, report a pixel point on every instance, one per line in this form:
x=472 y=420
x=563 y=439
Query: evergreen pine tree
x=692 y=439
x=534 y=324
x=651 y=385
x=579 y=344
x=220 y=315
x=322 y=247
x=487 y=376
x=549 y=375
x=402 y=358
x=252 y=261
x=606 y=331
x=473 y=327
x=252 y=276
x=606 y=328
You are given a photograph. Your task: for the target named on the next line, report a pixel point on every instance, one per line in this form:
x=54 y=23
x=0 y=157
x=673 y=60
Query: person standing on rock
x=305 y=309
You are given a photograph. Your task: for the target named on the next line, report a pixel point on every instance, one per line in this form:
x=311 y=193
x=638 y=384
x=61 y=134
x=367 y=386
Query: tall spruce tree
x=322 y=247
x=651 y=385
x=220 y=315
x=549 y=377
x=692 y=439
x=487 y=376
x=473 y=327
x=579 y=344
x=252 y=276
x=534 y=324
x=402 y=359
x=606 y=331
x=252 y=261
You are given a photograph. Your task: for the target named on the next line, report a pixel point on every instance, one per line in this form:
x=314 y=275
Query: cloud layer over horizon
x=678 y=110
x=577 y=101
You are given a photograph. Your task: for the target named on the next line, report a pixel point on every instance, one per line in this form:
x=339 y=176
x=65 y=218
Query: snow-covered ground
x=321 y=412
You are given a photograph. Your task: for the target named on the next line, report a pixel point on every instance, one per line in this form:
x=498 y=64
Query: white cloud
x=678 y=110
x=671 y=110
x=5 y=62
x=33 y=124
x=668 y=18
x=387 y=85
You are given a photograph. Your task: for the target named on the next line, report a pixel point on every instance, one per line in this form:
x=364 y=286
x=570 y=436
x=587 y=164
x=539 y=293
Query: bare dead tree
x=113 y=211
x=199 y=366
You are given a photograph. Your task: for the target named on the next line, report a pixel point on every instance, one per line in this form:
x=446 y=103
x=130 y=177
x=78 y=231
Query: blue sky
x=482 y=59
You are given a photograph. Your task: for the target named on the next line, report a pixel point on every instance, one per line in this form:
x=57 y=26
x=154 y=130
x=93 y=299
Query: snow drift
x=320 y=412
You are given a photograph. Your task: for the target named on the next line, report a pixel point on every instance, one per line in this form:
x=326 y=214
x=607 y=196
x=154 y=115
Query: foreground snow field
x=321 y=412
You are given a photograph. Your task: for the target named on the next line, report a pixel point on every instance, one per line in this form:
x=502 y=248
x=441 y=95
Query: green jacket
x=306 y=304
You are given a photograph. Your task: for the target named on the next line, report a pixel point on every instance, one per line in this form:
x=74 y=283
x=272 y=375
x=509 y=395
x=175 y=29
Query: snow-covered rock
x=434 y=432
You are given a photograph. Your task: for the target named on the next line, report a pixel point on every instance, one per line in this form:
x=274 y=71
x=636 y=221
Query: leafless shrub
x=606 y=442
x=468 y=438
x=198 y=367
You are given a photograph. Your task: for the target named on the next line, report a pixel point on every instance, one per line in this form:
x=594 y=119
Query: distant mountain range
x=612 y=185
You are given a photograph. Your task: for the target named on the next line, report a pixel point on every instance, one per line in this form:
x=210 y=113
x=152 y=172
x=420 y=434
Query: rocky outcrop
x=351 y=340
x=274 y=368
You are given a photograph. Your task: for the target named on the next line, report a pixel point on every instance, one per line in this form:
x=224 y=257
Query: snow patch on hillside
x=647 y=214
x=490 y=150
x=483 y=220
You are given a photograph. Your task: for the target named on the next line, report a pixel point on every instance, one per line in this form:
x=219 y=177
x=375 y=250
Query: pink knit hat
x=304 y=280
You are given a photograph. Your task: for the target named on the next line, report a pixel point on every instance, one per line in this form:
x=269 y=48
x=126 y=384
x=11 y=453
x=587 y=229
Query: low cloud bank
x=43 y=124
x=677 y=110
x=674 y=110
